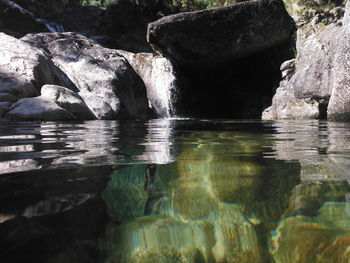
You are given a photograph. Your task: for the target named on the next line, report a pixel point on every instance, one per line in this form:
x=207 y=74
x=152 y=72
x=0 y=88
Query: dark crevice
x=240 y=89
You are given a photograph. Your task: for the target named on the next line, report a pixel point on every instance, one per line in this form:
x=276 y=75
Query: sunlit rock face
x=24 y=69
x=102 y=78
x=324 y=238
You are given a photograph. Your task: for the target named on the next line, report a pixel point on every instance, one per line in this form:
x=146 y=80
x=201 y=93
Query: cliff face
x=316 y=85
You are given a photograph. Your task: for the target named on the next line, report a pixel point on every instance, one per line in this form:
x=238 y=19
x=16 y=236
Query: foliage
x=163 y=5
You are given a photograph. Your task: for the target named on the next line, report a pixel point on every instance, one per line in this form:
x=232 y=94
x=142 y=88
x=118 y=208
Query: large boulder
x=17 y=19
x=24 y=69
x=102 y=78
x=220 y=34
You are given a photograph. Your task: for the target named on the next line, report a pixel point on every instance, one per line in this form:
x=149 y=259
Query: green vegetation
x=179 y=5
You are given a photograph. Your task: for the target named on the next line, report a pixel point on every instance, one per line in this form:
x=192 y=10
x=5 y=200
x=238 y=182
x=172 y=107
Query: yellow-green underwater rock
x=321 y=239
x=226 y=236
x=226 y=167
x=125 y=193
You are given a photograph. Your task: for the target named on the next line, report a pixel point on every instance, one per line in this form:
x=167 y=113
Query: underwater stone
x=226 y=236
x=321 y=239
x=125 y=193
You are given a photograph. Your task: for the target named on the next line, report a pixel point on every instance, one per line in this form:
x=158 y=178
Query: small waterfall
x=51 y=26
x=159 y=78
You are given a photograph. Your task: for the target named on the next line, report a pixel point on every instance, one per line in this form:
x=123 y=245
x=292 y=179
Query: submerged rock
x=103 y=79
x=324 y=238
x=125 y=194
x=227 y=236
x=221 y=34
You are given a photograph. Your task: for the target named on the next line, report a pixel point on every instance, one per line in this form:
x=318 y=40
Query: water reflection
x=177 y=191
x=29 y=146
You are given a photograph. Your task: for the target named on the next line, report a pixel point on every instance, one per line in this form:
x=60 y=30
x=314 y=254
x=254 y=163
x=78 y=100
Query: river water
x=175 y=190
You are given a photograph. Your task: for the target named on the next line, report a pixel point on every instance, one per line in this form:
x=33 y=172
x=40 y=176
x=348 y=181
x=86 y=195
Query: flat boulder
x=215 y=35
x=56 y=103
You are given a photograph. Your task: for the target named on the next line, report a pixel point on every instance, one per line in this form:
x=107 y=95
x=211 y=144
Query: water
x=175 y=190
x=51 y=26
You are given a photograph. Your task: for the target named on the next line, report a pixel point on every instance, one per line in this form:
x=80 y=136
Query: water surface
x=175 y=190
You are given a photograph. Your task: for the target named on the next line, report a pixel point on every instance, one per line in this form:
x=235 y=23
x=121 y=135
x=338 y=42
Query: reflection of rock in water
x=321 y=239
x=56 y=204
x=226 y=236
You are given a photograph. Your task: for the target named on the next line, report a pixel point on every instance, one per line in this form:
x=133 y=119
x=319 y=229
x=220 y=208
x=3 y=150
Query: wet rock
x=103 y=79
x=159 y=77
x=220 y=34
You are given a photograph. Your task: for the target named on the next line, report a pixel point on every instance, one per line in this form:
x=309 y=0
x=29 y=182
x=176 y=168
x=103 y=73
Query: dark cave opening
x=239 y=89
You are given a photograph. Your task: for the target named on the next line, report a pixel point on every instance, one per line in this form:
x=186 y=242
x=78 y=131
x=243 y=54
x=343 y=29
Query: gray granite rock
x=220 y=34
x=102 y=78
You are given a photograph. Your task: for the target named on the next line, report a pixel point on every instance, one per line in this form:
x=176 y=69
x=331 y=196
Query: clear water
x=175 y=191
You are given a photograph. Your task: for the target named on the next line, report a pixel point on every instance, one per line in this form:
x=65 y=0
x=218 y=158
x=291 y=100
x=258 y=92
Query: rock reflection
x=29 y=146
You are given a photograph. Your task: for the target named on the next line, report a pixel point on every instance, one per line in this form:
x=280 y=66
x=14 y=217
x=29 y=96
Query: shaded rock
x=24 y=69
x=4 y=107
x=37 y=109
x=7 y=97
x=220 y=34
x=15 y=18
x=305 y=93
x=103 y=79
x=159 y=77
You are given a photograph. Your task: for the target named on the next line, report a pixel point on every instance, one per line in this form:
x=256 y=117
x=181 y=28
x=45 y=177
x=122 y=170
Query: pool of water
x=175 y=191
